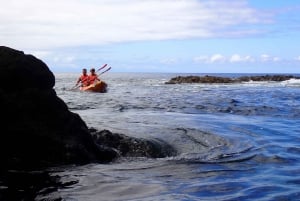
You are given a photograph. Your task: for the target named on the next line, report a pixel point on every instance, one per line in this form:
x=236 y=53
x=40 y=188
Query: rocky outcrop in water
x=133 y=147
x=38 y=130
x=216 y=79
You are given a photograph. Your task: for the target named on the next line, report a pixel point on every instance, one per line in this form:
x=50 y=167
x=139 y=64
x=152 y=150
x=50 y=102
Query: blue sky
x=194 y=36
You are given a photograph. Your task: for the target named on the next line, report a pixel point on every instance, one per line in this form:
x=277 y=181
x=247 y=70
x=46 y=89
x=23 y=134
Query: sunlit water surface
x=234 y=141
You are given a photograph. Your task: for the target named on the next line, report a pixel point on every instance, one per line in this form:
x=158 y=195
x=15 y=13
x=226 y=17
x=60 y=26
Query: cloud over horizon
x=236 y=58
x=156 y=35
x=71 y=23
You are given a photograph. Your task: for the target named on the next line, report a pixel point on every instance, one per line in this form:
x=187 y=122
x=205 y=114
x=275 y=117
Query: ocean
x=234 y=141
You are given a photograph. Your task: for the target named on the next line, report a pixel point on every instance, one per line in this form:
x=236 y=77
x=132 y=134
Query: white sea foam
x=291 y=82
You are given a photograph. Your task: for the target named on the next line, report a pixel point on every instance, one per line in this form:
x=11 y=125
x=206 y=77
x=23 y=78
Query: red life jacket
x=84 y=80
x=93 y=78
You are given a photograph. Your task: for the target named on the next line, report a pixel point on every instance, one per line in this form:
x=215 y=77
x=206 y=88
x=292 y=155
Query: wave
x=291 y=82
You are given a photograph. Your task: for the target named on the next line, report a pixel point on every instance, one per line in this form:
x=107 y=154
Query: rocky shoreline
x=216 y=79
x=38 y=130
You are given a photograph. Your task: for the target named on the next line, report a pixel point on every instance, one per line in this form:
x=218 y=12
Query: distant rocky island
x=217 y=79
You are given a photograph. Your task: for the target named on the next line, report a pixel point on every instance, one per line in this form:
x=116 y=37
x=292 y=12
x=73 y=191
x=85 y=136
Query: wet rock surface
x=38 y=130
x=133 y=147
x=217 y=79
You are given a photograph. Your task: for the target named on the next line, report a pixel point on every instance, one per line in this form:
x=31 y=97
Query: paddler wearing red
x=84 y=78
x=93 y=76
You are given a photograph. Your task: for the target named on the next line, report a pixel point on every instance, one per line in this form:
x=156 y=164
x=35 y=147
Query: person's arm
x=79 y=80
x=97 y=77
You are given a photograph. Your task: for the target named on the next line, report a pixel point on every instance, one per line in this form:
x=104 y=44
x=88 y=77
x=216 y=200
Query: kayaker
x=93 y=76
x=84 y=78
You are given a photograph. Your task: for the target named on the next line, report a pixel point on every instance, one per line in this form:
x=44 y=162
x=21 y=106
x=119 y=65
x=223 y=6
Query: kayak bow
x=98 y=86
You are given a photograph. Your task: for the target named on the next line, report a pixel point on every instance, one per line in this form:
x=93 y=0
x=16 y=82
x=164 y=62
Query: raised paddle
x=105 y=71
x=102 y=67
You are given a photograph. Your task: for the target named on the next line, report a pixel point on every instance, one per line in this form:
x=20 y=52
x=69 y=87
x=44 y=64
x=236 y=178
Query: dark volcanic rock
x=216 y=79
x=37 y=128
x=133 y=147
x=19 y=71
x=39 y=131
x=199 y=79
x=275 y=78
x=30 y=185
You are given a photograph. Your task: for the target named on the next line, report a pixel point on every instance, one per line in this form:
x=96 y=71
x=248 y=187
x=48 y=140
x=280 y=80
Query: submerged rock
x=133 y=147
x=216 y=79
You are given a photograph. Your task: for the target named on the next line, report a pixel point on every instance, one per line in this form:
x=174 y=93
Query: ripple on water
x=235 y=142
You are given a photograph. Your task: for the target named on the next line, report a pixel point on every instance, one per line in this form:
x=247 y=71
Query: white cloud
x=63 y=59
x=40 y=53
x=169 y=61
x=238 y=58
x=235 y=58
x=216 y=58
x=61 y=23
x=201 y=59
x=297 y=58
x=269 y=58
x=276 y=59
x=265 y=57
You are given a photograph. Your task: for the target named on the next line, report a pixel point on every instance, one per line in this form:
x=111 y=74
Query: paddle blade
x=102 y=67
x=105 y=70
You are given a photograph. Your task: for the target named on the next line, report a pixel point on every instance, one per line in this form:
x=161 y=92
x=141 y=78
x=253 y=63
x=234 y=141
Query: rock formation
x=38 y=130
x=217 y=79
x=133 y=147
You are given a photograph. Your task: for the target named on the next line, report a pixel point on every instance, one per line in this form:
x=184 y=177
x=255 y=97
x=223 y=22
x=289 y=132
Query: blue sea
x=234 y=141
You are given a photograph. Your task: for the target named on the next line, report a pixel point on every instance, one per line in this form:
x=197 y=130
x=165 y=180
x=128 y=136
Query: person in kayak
x=83 y=79
x=93 y=77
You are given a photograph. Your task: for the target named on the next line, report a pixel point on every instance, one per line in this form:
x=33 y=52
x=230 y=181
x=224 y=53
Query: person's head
x=84 y=71
x=92 y=70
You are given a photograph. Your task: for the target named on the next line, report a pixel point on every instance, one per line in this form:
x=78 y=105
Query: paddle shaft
x=102 y=67
x=105 y=71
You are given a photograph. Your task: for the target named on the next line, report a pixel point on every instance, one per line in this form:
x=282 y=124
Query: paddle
x=102 y=67
x=75 y=87
x=105 y=71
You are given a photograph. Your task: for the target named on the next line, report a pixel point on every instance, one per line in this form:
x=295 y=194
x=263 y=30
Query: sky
x=180 y=36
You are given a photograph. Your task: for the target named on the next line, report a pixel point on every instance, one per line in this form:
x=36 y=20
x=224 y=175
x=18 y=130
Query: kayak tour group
x=92 y=81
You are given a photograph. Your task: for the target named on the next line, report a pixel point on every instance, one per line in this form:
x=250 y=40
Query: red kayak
x=99 y=86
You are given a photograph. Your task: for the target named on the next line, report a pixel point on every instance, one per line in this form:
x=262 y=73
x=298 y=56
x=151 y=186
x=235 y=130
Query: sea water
x=234 y=141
